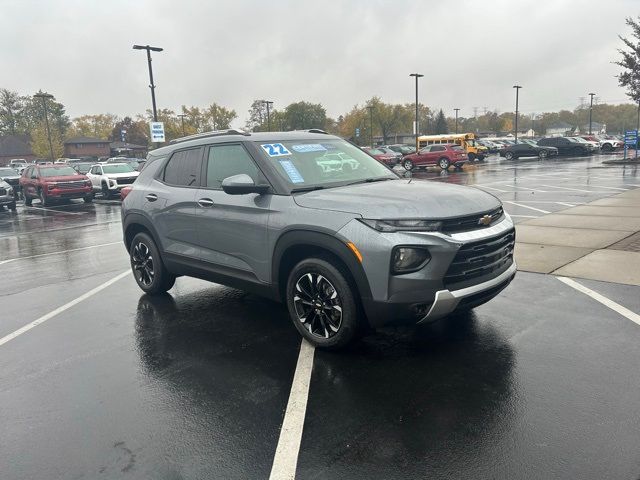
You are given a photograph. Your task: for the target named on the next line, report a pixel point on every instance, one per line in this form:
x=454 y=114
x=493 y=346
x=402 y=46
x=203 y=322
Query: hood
x=401 y=199
x=122 y=175
x=10 y=177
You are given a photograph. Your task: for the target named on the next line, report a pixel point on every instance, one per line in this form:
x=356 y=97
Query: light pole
x=268 y=103
x=152 y=86
x=417 y=75
x=182 y=115
x=457 y=110
x=370 y=108
x=517 y=87
x=45 y=97
x=591 y=110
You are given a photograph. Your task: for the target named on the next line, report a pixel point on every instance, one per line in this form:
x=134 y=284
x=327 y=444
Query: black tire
x=481 y=158
x=444 y=163
x=542 y=154
x=12 y=206
x=27 y=200
x=471 y=156
x=322 y=303
x=146 y=264
x=105 y=191
x=43 y=198
x=509 y=155
x=88 y=198
x=607 y=147
x=408 y=165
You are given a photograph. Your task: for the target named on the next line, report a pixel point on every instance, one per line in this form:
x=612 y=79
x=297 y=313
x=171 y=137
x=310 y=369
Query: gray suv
x=347 y=244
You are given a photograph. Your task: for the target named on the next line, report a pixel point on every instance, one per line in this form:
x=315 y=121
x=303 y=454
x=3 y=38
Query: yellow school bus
x=465 y=140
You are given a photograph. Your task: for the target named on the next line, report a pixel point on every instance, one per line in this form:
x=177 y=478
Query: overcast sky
x=338 y=53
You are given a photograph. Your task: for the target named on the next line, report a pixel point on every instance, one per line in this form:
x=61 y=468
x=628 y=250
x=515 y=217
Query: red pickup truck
x=53 y=182
x=442 y=155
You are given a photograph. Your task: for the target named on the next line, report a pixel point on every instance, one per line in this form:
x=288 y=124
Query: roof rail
x=312 y=130
x=213 y=133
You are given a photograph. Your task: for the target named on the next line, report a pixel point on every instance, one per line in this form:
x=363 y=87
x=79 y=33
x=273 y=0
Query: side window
x=426 y=149
x=183 y=168
x=438 y=148
x=228 y=160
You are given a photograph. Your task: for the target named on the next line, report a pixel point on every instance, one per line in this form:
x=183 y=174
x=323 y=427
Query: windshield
x=120 y=168
x=375 y=151
x=57 y=171
x=580 y=140
x=83 y=167
x=330 y=163
x=529 y=142
x=9 y=172
x=572 y=139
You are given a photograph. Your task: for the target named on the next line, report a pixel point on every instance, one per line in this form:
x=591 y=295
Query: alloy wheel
x=142 y=263
x=317 y=305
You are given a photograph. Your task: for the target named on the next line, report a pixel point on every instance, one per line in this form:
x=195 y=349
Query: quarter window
x=183 y=168
x=229 y=160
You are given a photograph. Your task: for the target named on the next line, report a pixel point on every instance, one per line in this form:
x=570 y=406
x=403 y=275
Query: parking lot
x=100 y=381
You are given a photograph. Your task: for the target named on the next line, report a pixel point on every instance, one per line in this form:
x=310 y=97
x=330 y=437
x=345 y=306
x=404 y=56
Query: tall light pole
x=591 y=110
x=457 y=110
x=268 y=103
x=370 y=108
x=517 y=87
x=152 y=86
x=417 y=75
x=45 y=97
x=182 y=115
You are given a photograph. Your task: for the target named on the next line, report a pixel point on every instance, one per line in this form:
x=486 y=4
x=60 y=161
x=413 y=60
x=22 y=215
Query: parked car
x=109 y=178
x=608 y=143
x=52 y=182
x=490 y=146
x=12 y=177
x=443 y=155
x=398 y=156
x=342 y=249
x=595 y=145
x=135 y=163
x=386 y=158
x=18 y=164
x=566 y=145
x=402 y=148
x=81 y=167
x=7 y=196
x=529 y=148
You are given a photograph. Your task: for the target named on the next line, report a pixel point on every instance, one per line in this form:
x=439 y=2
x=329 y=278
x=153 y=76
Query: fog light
x=408 y=259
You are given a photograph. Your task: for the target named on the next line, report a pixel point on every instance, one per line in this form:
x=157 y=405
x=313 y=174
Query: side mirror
x=241 y=185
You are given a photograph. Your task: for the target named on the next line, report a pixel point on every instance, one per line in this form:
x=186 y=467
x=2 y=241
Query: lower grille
x=125 y=181
x=481 y=258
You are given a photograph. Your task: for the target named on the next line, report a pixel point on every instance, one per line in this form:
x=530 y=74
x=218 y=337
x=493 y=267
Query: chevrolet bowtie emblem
x=486 y=220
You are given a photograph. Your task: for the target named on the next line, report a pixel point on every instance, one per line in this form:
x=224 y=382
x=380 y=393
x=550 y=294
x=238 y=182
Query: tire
x=607 y=147
x=43 y=198
x=444 y=163
x=27 y=200
x=146 y=264
x=471 y=156
x=408 y=165
x=322 y=303
x=88 y=198
x=542 y=154
x=105 y=191
x=509 y=156
x=12 y=206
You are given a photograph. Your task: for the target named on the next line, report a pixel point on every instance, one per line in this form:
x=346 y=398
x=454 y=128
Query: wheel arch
x=135 y=223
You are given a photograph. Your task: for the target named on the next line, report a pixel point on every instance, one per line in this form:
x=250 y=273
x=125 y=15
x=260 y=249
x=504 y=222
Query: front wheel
x=27 y=200
x=43 y=198
x=148 y=270
x=322 y=303
x=88 y=198
x=444 y=163
x=408 y=165
x=542 y=154
x=472 y=157
x=508 y=155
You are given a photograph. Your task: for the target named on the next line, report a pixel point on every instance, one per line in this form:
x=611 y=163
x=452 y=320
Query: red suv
x=381 y=156
x=442 y=155
x=54 y=182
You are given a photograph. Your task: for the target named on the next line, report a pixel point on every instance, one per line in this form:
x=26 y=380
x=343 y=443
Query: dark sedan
x=528 y=148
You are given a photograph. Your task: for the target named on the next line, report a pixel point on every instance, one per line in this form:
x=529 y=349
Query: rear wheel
x=472 y=157
x=508 y=155
x=607 y=147
x=408 y=165
x=322 y=303
x=542 y=154
x=148 y=270
x=444 y=163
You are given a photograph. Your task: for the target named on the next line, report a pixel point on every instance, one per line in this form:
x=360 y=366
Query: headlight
x=408 y=259
x=410 y=225
x=51 y=186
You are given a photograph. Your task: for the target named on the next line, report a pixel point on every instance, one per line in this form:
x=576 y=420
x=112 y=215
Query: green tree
x=11 y=112
x=441 y=123
x=630 y=62
x=304 y=115
x=219 y=118
x=99 y=126
x=257 y=116
x=388 y=119
x=137 y=131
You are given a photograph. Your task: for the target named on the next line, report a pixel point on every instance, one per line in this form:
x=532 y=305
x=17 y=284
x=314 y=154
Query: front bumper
x=68 y=193
x=7 y=199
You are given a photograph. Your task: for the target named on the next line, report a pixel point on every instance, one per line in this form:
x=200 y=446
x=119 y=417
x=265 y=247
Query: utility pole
x=591 y=110
x=45 y=97
x=457 y=110
x=370 y=108
x=417 y=75
x=268 y=103
x=517 y=87
x=152 y=86
x=182 y=115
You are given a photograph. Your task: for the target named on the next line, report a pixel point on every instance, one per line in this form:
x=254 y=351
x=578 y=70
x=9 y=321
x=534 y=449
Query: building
x=124 y=149
x=15 y=146
x=560 y=129
x=79 y=147
x=596 y=128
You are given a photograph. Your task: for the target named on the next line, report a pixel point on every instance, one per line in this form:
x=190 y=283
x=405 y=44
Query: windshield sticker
x=275 y=149
x=309 y=147
x=291 y=170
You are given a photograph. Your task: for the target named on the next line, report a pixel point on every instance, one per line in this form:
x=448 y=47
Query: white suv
x=110 y=178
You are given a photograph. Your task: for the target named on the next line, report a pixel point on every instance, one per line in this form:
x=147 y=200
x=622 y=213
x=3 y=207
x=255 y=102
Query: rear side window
x=229 y=160
x=438 y=148
x=183 y=168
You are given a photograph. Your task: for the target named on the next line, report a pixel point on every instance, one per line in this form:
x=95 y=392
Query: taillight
x=125 y=191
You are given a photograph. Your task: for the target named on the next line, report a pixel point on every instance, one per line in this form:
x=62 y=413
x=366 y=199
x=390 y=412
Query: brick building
x=15 y=146
x=78 y=147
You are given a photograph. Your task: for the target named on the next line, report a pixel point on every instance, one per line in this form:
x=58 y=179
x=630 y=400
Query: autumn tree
x=137 y=131
x=257 y=116
x=99 y=126
x=217 y=117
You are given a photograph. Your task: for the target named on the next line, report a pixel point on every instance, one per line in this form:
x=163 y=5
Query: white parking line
x=57 y=211
x=610 y=188
x=575 y=189
x=286 y=457
x=66 y=306
x=565 y=204
x=523 y=188
x=526 y=206
x=625 y=312
x=523 y=216
x=58 y=253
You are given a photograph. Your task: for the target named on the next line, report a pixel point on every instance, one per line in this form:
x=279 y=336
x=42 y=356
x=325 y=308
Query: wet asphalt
x=541 y=382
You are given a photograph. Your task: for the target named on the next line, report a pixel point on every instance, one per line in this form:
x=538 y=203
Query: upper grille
x=126 y=181
x=481 y=258
x=470 y=222
x=70 y=185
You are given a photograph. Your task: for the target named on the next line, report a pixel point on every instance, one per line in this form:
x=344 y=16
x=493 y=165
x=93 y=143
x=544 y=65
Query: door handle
x=152 y=197
x=205 y=202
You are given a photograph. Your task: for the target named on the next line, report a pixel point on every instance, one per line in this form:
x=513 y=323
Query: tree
x=441 y=123
x=388 y=118
x=219 y=118
x=352 y=121
x=630 y=77
x=11 y=111
x=305 y=115
x=137 y=131
x=257 y=116
x=99 y=126
x=40 y=142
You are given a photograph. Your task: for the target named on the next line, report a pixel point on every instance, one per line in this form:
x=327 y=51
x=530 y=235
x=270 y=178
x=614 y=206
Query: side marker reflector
x=355 y=251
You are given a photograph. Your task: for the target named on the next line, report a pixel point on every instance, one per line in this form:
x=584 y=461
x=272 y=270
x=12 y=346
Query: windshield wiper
x=371 y=180
x=307 y=189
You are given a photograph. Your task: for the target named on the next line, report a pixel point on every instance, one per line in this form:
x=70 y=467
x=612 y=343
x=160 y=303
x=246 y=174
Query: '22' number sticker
x=275 y=149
